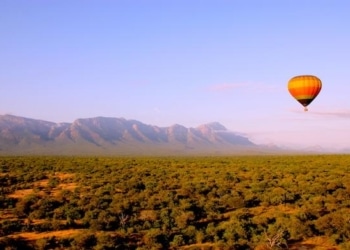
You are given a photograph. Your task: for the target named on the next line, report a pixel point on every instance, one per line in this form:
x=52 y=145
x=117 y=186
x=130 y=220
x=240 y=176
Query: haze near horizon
x=185 y=62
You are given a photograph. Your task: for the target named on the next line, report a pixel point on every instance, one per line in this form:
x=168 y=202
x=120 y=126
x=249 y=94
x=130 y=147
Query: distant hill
x=116 y=136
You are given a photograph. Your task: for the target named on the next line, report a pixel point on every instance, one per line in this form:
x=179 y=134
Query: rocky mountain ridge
x=106 y=135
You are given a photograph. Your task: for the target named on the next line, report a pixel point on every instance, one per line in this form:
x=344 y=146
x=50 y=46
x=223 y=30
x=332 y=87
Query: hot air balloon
x=304 y=88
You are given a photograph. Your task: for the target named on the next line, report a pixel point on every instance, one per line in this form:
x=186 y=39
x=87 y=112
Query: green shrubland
x=236 y=202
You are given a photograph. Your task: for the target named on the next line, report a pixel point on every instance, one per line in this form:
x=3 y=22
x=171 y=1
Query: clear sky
x=188 y=62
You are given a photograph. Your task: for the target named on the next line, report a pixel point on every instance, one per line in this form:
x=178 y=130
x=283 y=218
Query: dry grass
x=41 y=183
x=38 y=189
x=272 y=210
x=63 y=186
x=7 y=214
x=32 y=236
x=200 y=245
x=64 y=176
x=315 y=243
x=19 y=194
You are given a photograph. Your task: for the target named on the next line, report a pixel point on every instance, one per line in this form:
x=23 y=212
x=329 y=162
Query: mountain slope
x=104 y=135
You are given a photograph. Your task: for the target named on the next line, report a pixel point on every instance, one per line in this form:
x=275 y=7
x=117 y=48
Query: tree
x=276 y=240
x=84 y=241
x=155 y=239
x=177 y=241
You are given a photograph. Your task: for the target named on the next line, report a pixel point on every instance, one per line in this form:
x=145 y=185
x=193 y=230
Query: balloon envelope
x=304 y=88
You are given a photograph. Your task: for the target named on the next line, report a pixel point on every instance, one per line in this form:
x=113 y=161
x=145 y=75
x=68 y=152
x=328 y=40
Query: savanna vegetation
x=238 y=202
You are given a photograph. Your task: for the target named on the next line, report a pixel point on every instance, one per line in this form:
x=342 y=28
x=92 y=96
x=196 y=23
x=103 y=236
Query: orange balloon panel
x=304 y=88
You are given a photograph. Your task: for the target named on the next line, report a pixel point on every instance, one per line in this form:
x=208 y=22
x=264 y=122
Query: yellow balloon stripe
x=304 y=97
x=311 y=90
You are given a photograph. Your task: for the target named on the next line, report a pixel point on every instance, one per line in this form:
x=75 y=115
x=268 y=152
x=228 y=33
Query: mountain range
x=117 y=136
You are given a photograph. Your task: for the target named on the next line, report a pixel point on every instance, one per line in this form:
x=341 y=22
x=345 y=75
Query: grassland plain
x=233 y=202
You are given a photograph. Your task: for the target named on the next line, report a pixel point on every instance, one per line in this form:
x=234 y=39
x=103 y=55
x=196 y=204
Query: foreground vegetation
x=241 y=202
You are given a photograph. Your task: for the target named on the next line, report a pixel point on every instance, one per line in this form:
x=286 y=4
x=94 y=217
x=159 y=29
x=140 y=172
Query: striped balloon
x=304 y=88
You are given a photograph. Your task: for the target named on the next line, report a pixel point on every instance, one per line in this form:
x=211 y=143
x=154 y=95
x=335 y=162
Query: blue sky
x=187 y=62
